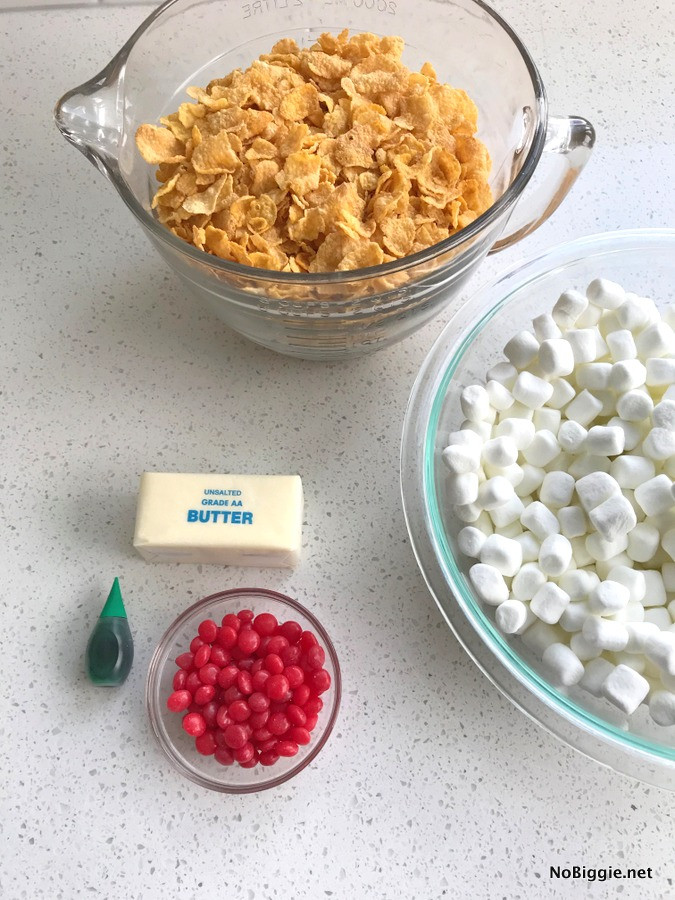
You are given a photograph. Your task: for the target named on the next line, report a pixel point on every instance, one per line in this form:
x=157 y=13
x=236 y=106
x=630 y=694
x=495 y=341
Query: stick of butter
x=230 y=520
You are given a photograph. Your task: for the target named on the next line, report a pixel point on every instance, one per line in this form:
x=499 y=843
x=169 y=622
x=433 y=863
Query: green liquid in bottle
x=110 y=651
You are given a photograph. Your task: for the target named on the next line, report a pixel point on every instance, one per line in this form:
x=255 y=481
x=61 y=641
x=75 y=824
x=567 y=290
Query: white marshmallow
x=660 y=648
x=662 y=707
x=555 y=555
x=572 y=521
x=483 y=430
x=531 y=391
x=538 y=519
x=489 y=584
x=584 y=408
x=605 y=293
x=468 y=512
x=500 y=452
x=475 y=403
x=583 y=649
x=533 y=477
x=494 y=492
x=511 y=530
x=543 y=448
x=508 y=512
x=588 y=464
x=568 y=307
x=660 y=372
x=632 y=579
x=657 y=339
x=595 y=488
x=503 y=553
x=608 y=597
x=556 y=489
x=462 y=458
x=549 y=602
x=600 y=549
x=465 y=437
x=527 y=581
x=595 y=675
x=626 y=375
x=574 y=615
x=621 y=345
x=631 y=432
x=659 y=444
x=513 y=473
x=571 y=436
x=630 y=471
x=500 y=396
x=583 y=343
x=613 y=518
x=638 y=635
x=633 y=406
x=605 y=634
x=470 y=540
x=539 y=636
x=668 y=575
x=520 y=431
x=632 y=613
x=547 y=419
x=663 y=415
x=605 y=440
x=565 y=666
x=563 y=392
x=654 y=496
x=608 y=401
x=594 y=376
x=529 y=545
x=625 y=688
x=636 y=313
x=578 y=583
x=643 y=542
x=655 y=590
x=521 y=349
x=511 y=616
x=517 y=411
x=504 y=373
x=556 y=358
x=659 y=616
x=463 y=489
x=581 y=555
x=545 y=327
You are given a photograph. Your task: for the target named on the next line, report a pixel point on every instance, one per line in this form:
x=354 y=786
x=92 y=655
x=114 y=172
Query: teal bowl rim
x=443 y=551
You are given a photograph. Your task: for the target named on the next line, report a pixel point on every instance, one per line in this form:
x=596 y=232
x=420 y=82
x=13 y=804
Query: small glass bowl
x=166 y=725
x=642 y=261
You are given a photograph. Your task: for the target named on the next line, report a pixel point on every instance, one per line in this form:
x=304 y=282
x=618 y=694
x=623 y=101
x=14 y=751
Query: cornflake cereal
x=324 y=159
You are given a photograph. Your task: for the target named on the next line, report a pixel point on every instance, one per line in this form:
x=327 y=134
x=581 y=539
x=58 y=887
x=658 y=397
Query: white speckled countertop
x=432 y=785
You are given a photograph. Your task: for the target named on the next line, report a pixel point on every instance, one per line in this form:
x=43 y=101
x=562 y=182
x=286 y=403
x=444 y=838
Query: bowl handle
x=568 y=146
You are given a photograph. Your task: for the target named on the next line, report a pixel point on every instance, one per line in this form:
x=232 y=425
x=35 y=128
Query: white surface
x=432 y=785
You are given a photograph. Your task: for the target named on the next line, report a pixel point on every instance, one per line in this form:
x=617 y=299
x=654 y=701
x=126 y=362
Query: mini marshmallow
x=578 y=583
x=659 y=616
x=510 y=616
x=605 y=634
x=463 y=489
x=583 y=649
x=547 y=419
x=631 y=614
x=584 y=408
x=668 y=575
x=621 y=345
x=631 y=432
x=588 y=464
x=626 y=375
x=608 y=401
x=600 y=549
x=517 y=411
x=605 y=440
x=531 y=391
x=563 y=392
x=583 y=343
x=470 y=540
x=481 y=429
x=533 y=476
x=655 y=590
x=581 y=555
x=630 y=471
x=503 y=553
x=633 y=406
x=545 y=327
x=504 y=373
x=500 y=396
x=638 y=635
x=521 y=431
x=608 y=322
x=625 y=688
x=494 y=492
x=571 y=436
x=513 y=474
x=527 y=581
x=595 y=675
x=521 y=349
x=636 y=663
x=574 y=615
x=508 y=512
x=565 y=666
x=468 y=512
x=594 y=375
x=613 y=518
x=556 y=358
x=555 y=555
x=557 y=489
x=605 y=293
x=663 y=415
x=660 y=372
x=543 y=448
x=643 y=542
x=529 y=545
x=595 y=488
x=572 y=521
x=539 y=636
x=604 y=566
x=654 y=496
x=538 y=519
x=567 y=308
x=465 y=437
x=662 y=707
x=636 y=313
x=462 y=458
x=608 y=597
x=489 y=584
x=512 y=530
x=632 y=579
x=657 y=339
x=549 y=602
x=660 y=648
x=659 y=444
x=500 y=452
x=475 y=403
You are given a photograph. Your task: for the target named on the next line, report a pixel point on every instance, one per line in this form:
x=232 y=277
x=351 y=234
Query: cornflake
x=328 y=158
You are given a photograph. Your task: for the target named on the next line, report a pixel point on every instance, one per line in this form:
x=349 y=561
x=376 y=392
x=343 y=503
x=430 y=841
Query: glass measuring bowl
x=342 y=314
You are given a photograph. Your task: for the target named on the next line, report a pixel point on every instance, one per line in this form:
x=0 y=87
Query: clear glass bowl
x=642 y=261
x=179 y=747
x=342 y=314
